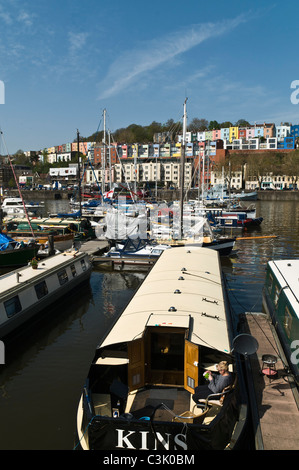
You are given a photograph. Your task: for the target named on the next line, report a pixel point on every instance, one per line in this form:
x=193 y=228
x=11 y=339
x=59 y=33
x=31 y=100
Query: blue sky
x=63 y=62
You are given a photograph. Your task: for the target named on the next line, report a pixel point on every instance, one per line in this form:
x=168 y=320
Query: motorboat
x=16 y=206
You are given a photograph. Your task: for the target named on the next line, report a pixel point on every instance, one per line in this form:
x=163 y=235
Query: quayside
x=138 y=393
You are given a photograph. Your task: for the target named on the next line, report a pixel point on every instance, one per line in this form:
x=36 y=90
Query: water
x=41 y=382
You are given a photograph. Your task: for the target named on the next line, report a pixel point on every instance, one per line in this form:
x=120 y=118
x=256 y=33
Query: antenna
x=245 y=344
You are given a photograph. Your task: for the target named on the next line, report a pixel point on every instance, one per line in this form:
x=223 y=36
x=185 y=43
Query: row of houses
x=167 y=174
x=255 y=137
x=232 y=133
x=113 y=154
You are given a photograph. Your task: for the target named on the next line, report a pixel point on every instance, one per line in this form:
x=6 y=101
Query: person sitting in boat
x=217 y=382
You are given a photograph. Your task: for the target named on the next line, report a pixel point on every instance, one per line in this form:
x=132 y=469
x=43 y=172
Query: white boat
x=138 y=393
x=137 y=248
x=26 y=292
x=15 y=206
x=281 y=303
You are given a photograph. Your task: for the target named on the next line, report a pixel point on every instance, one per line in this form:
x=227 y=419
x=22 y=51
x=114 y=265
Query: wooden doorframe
x=190 y=369
x=136 y=366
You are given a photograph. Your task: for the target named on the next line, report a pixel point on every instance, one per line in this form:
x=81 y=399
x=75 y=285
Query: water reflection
x=246 y=271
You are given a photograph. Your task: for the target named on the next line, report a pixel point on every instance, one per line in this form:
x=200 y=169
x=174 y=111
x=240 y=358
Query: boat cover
x=183 y=282
x=6 y=242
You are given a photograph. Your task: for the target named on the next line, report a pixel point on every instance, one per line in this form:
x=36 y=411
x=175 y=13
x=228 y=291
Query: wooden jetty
x=96 y=249
x=275 y=401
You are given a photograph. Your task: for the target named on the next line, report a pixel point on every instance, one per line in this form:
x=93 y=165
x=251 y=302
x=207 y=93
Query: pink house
x=250 y=133
x=216 y=134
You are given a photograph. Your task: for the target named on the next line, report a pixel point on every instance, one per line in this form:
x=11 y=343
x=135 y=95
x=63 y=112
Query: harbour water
x=42 y=379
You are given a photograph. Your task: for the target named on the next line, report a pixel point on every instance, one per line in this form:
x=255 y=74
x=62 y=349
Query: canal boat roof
x=183 y=289
x=286 y=272
x=27 y=274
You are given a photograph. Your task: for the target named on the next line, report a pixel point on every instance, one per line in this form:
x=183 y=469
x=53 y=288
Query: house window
x=41 y=289
x=12 y=306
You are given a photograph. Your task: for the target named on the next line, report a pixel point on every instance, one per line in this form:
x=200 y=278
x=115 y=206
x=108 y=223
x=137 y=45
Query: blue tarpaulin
x=6 y=242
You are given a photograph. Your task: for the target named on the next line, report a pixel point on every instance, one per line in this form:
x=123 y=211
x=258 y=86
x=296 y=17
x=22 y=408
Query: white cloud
x=148 y=56
x=77 y=41
x=25 y=18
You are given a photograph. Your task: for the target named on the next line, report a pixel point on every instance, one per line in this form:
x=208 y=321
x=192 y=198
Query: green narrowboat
x=281 y=303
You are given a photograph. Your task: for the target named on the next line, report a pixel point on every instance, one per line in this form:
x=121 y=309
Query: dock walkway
x=93 y=247
x=276 y=412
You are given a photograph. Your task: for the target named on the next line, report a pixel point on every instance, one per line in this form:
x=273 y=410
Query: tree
x=214 y=125
x=226 y=124
x=198 y=125
x=291 y=167
x=242 y=123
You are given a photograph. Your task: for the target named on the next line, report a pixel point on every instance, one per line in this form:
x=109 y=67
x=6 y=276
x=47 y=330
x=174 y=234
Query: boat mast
x=182 y=179
x=18 y=186
x=79 y=173
x=104 y=157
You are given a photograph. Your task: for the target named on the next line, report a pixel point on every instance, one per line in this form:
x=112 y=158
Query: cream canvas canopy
x=183 y=289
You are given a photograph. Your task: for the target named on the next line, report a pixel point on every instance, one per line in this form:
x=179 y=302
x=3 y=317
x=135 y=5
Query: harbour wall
x=163 y=194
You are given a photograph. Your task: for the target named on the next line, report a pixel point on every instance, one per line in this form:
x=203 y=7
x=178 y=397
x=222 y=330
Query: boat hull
x=17 y=257
x=62 y=242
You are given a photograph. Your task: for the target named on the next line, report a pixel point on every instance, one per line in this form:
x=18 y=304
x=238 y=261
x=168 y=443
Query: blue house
x=295 y=131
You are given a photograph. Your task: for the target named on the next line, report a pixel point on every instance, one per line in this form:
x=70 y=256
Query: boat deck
x=172 y=401
x=276 y=412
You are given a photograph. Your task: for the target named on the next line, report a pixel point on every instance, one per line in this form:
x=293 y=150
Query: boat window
x=276 y=295
x=41 y=289
x=83 y=265
x=270 y=282
x=73 y=269
x=12 y=306
x=62 y=277
x=287 y=322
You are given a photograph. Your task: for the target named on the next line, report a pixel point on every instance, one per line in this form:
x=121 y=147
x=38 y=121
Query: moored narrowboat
x=27 y=292
x=281 y=303
x=139 y=393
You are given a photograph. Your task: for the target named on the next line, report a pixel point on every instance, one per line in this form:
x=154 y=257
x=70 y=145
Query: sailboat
x=199 y=232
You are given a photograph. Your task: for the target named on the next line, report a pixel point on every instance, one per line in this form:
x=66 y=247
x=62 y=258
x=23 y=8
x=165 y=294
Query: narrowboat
x=26 y=292
x=138 y=394
x=81 y=228
x=281 y=303
x=63 y=238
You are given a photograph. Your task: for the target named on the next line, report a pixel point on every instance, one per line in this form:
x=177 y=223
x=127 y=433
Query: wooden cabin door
x=190 y=370
x=136 y=364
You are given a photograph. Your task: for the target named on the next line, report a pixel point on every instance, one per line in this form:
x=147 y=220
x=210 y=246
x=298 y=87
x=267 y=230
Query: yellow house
x=177 y=152
x=233 y=133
